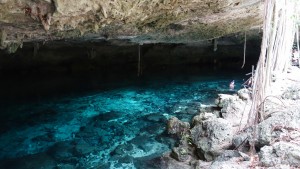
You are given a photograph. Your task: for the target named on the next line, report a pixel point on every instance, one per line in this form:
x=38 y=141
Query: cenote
x=84 y=106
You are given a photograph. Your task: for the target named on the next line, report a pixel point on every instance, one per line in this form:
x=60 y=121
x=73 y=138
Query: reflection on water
x=98 y=122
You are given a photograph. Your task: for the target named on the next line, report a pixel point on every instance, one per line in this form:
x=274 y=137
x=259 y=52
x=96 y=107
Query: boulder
x=230 y=165
x=232 y=159
x=232 y=155
x=84 y=148
x=232 y=108
x=244 y=94
x=199 y=164
x=169 y=163
x=278 y=126
x=225 y=99
x=241 y=139
x=279 y=153
x=175 y=126
x=202 y=117
x=273 y=127
x=212 y=137
x=292 y=93
x=180 y=153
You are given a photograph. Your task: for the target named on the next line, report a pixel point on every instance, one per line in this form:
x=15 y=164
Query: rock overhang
x=140 y=21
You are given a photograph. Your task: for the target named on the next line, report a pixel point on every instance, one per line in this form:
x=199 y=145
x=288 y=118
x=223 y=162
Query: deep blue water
x=88 y=122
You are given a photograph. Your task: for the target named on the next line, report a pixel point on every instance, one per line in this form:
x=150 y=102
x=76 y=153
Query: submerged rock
x=122 y=149
x=84 y=148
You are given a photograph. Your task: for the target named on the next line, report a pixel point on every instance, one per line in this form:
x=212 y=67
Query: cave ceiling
x=141 y=21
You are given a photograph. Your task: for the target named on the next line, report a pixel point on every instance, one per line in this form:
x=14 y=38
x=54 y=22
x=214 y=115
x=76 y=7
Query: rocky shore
x=219 y=136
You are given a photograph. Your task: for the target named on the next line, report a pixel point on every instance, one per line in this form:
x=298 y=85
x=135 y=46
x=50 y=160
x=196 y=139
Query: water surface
x=97 y=122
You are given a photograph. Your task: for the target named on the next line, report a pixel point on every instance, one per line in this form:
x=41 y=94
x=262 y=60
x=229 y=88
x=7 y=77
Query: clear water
x=83 y=123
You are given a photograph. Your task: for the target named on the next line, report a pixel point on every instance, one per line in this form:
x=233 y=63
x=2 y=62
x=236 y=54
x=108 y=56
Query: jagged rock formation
x=141 y=21
x=217 y=144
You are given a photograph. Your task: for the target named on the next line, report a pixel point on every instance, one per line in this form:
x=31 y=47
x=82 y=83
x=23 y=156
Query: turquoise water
x=83 y=123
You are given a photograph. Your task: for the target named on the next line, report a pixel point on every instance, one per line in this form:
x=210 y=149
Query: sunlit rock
x=244 y=94
x=279 y=153
x=177 y=127
x=202 y=117
x=212 y=137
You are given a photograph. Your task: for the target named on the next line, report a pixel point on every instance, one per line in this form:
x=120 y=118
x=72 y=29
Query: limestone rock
x=244 y=94
x=240 y=140
x=202 y=117
x=266 y=129
x=279 y=126
x=232 y=108
x=175 y=126
x=232 y=159
x=3 y=1
x=137 y=20
x=230 y=165
x=180 y=153
x=280 y=153
x=225 y=99
x=228 y=155
x=169 y=163
x=212 y=137
x=83 y=148
x=292 y=93
x=199 y=164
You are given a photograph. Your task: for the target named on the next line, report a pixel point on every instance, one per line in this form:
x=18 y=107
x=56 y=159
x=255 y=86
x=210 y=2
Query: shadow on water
x=108 y=121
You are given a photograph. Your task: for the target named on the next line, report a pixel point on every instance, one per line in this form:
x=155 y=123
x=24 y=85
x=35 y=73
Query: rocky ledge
x=219 y=137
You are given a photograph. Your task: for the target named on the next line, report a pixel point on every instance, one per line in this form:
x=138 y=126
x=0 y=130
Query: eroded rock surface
x=280 y=153
x=175 y=126
x=141 y=21
x=212 y=137
x=233 y=109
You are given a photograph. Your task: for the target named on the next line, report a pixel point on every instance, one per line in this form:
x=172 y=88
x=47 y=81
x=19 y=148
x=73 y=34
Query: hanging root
x=139 y=61
x=215 y=41
x=245 y=44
